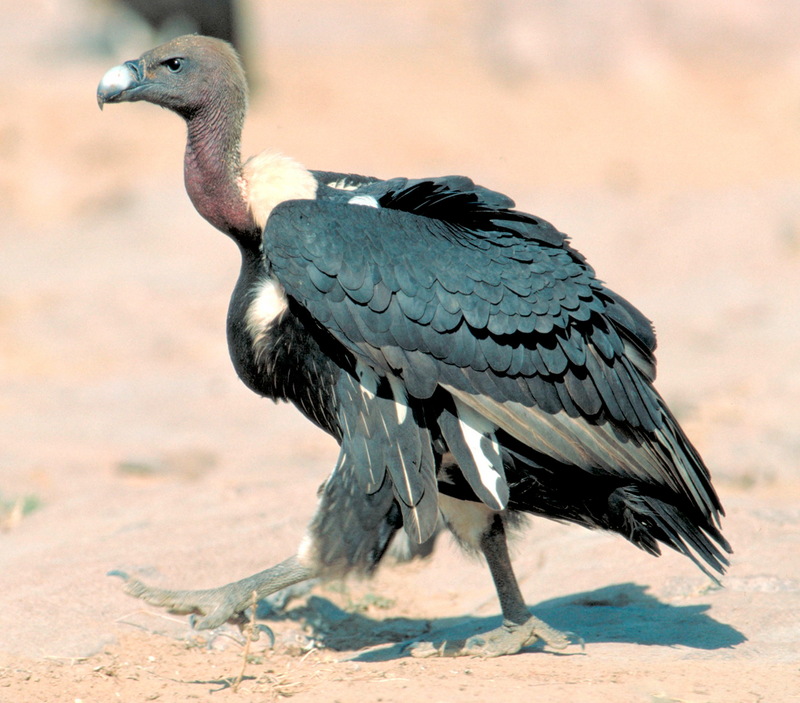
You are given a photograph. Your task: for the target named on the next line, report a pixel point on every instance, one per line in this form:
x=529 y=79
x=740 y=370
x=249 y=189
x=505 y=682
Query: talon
x=224 y=604
x=506 y=639
x=268 y=631
x=253 y=630
x=119 y=574
x=555 y=639
x=574 y=639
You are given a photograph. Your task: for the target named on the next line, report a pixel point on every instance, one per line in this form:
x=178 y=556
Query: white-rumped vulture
x=463 y=354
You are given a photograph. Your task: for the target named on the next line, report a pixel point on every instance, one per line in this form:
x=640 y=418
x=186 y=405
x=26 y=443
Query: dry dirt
x=127 y=442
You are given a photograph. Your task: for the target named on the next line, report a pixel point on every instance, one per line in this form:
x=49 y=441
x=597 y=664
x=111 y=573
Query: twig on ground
x=250 y=636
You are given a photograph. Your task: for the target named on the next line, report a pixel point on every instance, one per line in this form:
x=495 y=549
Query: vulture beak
x=119 y=84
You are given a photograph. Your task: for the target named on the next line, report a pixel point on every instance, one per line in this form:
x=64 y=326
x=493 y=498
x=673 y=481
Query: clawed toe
x=217 y=606
x=555 y=639
x=510 y=638
x=572 y=638
x=244 y=623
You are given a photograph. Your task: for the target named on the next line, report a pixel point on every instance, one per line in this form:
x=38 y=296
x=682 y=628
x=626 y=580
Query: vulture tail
x=647 y=520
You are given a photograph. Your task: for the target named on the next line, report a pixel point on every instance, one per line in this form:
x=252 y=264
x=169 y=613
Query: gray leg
x=349 y=531
x=223 y=604
x=519 y=629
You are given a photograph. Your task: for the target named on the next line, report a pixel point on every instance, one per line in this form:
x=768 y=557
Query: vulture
x=462 y=353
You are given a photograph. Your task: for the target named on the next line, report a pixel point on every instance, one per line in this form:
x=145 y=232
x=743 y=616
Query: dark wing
x=352 y=528
x=382 y=432
x=496 y=308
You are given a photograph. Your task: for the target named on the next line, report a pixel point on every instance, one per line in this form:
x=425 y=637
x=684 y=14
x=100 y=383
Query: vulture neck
x=213 y=172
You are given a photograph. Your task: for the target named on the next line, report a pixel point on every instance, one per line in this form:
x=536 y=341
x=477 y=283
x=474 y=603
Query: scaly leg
x=350 y=531
x=223 y=604
x=519 y=629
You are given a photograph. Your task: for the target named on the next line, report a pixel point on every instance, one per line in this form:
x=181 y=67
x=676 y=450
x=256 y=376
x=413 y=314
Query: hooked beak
x=120 y=84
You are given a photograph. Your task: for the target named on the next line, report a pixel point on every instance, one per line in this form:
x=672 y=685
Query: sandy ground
x=127 y=442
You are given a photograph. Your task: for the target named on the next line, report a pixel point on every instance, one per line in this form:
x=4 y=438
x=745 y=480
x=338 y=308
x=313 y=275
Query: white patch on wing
x=268 y=304
x=342 y=184
x=400 y=399
x=366 y=200
x=269 y=179
x=476 y=429
x=566 y=439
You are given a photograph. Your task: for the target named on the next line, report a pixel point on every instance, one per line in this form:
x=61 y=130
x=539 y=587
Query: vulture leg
x=223 y=604
x=350 y=531
x=519 y=629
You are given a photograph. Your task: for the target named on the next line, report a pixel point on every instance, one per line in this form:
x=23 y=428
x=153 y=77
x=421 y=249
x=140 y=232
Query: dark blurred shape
x=216 y=18
x=222 y=19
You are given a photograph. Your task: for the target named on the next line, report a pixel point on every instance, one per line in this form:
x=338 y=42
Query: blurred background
x=662 y=135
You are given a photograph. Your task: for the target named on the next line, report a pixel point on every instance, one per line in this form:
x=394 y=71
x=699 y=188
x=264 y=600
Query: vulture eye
x=173 y=65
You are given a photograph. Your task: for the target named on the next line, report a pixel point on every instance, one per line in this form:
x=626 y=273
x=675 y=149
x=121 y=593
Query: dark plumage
x=464 y=355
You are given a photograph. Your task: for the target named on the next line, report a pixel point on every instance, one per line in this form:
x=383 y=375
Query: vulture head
x=202 y=80
x=188 y=75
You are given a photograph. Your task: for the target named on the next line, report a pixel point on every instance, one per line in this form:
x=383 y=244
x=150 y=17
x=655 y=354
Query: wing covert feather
x=515 y=326
x=463 y=298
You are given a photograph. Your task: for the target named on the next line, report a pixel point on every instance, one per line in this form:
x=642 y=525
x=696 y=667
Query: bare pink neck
x=212 y=173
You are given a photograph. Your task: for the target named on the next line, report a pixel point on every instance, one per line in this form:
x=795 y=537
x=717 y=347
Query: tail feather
x=649 y=520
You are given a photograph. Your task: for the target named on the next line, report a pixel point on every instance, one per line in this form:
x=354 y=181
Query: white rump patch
x=476 y=429
x=269 y=303
x=269 y=179
x=366 y=200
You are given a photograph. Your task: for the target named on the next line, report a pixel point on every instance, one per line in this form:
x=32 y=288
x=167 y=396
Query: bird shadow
x=622 y=612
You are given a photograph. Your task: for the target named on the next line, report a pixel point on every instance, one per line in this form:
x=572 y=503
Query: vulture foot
x=219 y=605
x=216 y=605
x=509 y=638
